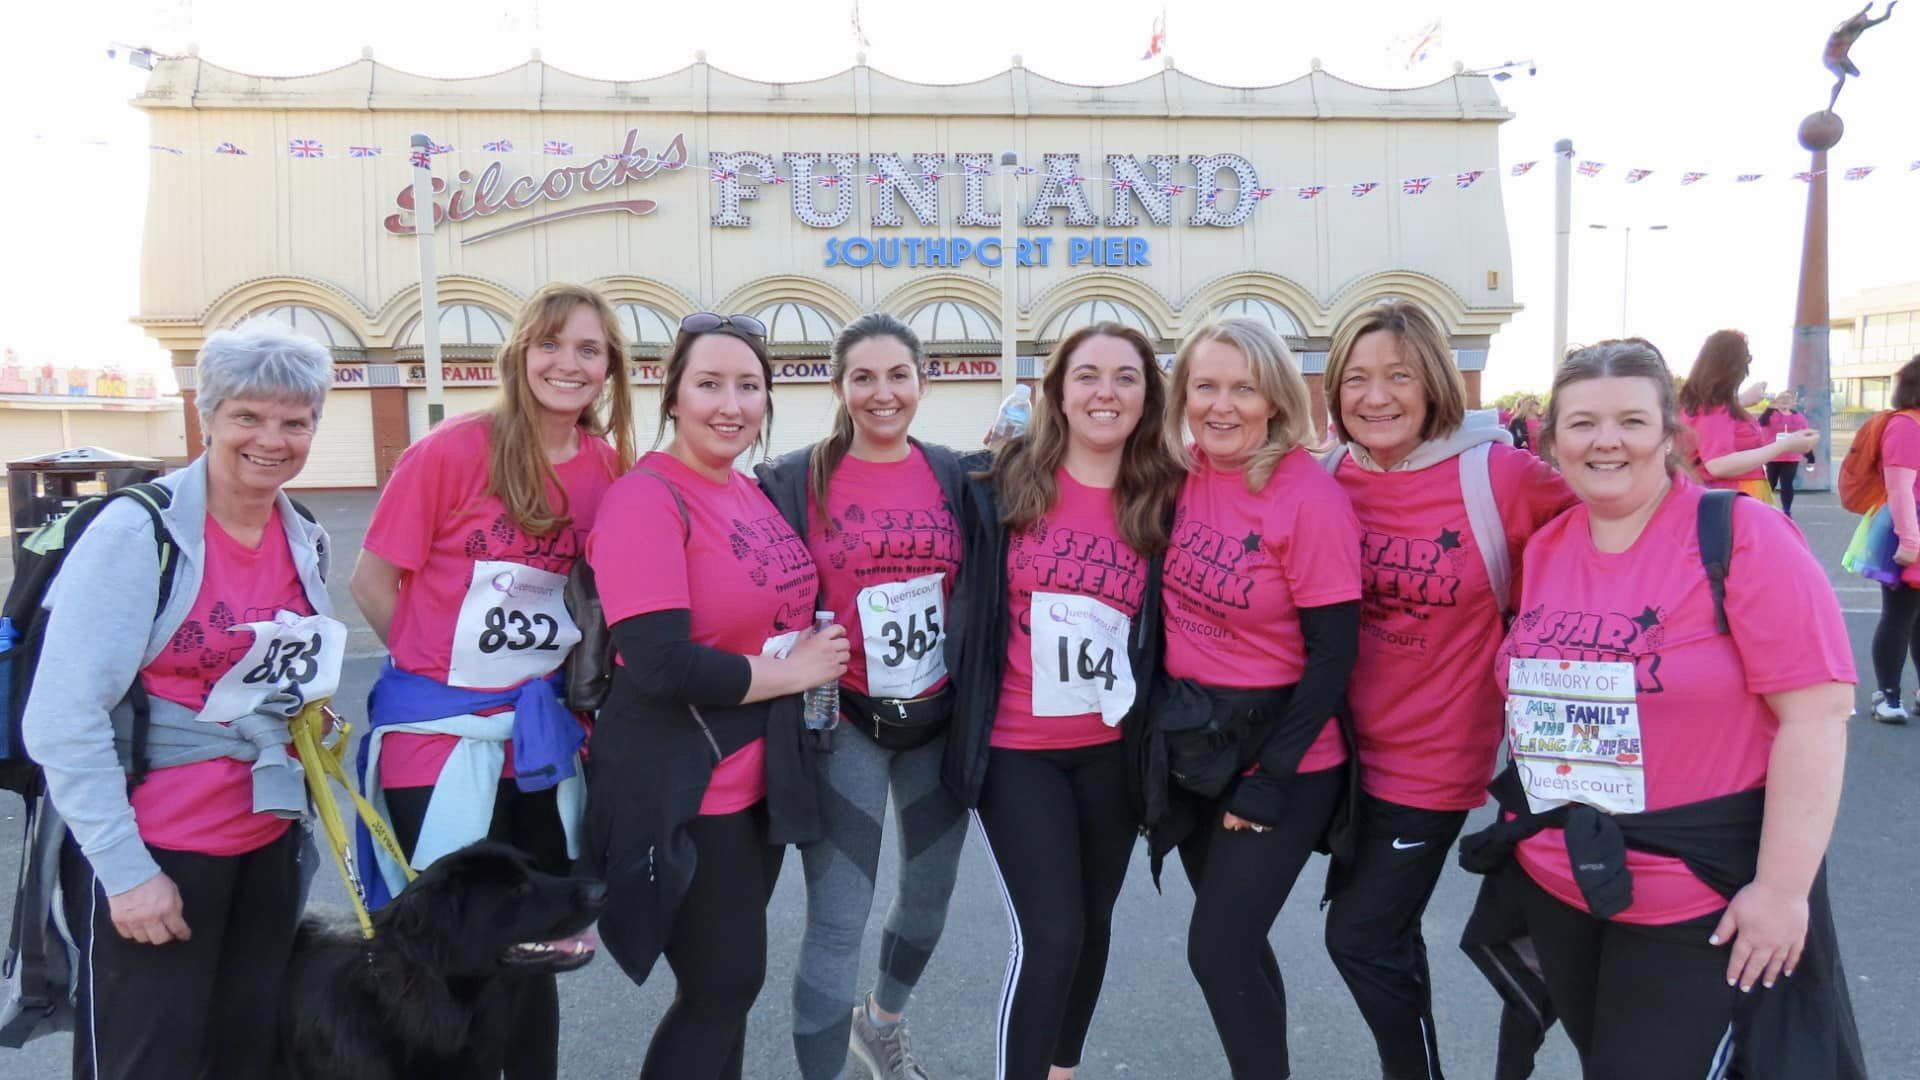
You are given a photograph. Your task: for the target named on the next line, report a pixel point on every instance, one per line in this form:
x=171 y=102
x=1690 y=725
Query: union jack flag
x=773 y=178
x=1416 y=185
x=1591 y=168
x=1074 y=179
x=229 y=148
x=174 y=150
x=557 y=147
x=439 y=147
x=831 y=180
x=931 y=176
x=1634 y=176
x=363 y=151
x=1747 y=177
x=1173 y=189
x=498 y=146
x=1522 y=168
x=421 y=159
x=1260 y=194
x=1691 y=178
x=1309 y=192
x=975 y=168
x=1024 y=170
x=1466 y=179
x=1121 y=183
x=1860 y=172
x=305 y=148
x=723 y=175
x=876 y=178
x=1365 y=189
x=1804 y=177
x=1211 y=195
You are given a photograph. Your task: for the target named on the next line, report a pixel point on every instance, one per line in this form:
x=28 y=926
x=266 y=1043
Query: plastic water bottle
x=821 y=709
x=8 y=636
x=1016 y=412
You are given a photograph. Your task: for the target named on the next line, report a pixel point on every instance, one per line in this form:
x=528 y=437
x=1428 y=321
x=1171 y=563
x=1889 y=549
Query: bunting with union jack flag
x=721 y=176
x=1364 y=189
x=1804 y=177
x=174 y=150
x=230 y=150
x=1211 y=195
x=421 y=159
x=1860 y=172
x=557 y=147
x=1747 y=177
x=1312 y=192
x=1024 y=170
x=305 y=148
x=498 y=146
x=1415 y=185
x=1173 y=189
x=439 y=147
x=773 y=178
x=1590 y=168
x=1688 y=179
x=363 y=151
x=1522 y=168
x=1466 y=179
x=1121 y=183
x=830 y=180
x=876 y=178
x=1634 y=176
x=1261 y=194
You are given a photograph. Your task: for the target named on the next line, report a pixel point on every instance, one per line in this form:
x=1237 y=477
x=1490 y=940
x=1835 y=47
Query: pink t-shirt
x=207 y=807
x=1783 y=422
x=1074 y=548
x=1900 y=448
x=756 y=579
x=1705 y=728
x=890 y=523
x=436 y=522
x=1426 y=714
x=1240 y=568
x=1716 y=434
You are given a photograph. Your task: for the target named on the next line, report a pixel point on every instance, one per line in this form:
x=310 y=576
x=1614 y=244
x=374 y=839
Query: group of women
x=1153 y=611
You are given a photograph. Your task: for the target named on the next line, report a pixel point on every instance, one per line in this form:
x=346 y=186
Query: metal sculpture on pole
x=1810 y=367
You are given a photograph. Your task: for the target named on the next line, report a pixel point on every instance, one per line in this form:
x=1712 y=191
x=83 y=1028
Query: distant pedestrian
x=1729 y=448
x=1782 y=417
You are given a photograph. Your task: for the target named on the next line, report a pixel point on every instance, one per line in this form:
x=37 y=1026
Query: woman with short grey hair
x=181 y=873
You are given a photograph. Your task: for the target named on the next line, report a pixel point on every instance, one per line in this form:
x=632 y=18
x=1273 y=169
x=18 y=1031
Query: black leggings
x=1241 y=879
x=1894 y=638
x=1638 y=1002
x=1059 y=828
x=1780 y=474
x=717 y=950
x=199 y=1007
x=529 y=821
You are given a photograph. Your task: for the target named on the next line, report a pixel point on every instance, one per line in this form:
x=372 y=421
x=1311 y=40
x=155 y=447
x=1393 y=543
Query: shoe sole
x=1891 y=721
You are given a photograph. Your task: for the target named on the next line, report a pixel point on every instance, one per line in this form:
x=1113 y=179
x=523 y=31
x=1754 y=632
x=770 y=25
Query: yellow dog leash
x=320 y=738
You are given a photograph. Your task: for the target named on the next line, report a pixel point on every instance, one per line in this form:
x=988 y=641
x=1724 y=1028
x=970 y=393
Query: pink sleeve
x=639 y=515
x=1782 y=612
x=1900 y=443
x=1713 y=434
x=412 y=507
x=1322 y=558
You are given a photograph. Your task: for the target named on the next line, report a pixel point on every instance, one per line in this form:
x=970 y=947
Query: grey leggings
x=930 y=827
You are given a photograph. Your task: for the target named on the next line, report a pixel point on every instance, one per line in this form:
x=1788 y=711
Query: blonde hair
x=1423 y=347
x=1274 y=373
x=518 y=471
x=1150 y=471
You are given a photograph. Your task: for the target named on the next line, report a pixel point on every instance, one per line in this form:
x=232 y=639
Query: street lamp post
x=1626 y=264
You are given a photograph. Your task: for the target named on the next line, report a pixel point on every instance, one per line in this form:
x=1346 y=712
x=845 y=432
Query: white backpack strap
x=1483 y=517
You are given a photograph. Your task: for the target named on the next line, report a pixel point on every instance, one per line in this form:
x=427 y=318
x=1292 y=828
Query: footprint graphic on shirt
x=504 y=530
x=211 y=658
x=476 y=545
x=856 y=515
x=221 y=617
x=758 y=575
x=739 y=546
x=188 y=638
x=849 y=541
x=838 y=559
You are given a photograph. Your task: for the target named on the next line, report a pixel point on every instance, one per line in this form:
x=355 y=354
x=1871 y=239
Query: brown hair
x=1150 y=472
x=1906 y=385
x=518 y=472
x=828 y=452
x=1423 y=347
x=1714 y=379
x=677 y=370
x=1623 y=358
x=1273 y=372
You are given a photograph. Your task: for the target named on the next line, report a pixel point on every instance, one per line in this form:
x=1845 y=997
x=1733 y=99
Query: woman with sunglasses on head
x=1445 y=509
x=699 y=774
x=880 y=513
x=1262 y=599
x=462 y=574
x=1066 y=528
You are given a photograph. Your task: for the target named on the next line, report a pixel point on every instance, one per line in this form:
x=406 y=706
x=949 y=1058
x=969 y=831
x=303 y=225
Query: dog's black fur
x=431 y=995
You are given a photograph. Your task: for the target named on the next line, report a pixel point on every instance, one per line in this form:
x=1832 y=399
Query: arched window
x=1088 y=312
x=463 y=326
x=649 y=330
x=790 y=322
x=311 y=322
x=1257 y=307
x=953 y=322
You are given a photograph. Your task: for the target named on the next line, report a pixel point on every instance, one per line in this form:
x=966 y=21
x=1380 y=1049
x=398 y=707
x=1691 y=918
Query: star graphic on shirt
x=1252 y=541
x=1648 y=618
x=1448 y=539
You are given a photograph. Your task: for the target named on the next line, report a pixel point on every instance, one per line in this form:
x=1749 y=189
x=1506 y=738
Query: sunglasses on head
x=701 y=322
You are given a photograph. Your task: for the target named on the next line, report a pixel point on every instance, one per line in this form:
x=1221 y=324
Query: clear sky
x=1669 y=85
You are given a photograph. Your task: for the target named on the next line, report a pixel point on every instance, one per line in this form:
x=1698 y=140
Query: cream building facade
x=805 y=204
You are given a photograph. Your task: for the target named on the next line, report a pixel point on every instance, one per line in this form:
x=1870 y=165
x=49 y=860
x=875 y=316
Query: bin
x=42 y=488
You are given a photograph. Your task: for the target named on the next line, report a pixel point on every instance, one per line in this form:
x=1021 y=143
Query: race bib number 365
x=903 y=625
x=1080 y=662
x=1574 y=731
x=513 y=626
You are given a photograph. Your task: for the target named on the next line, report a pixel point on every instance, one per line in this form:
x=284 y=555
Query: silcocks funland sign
x=1202 y=190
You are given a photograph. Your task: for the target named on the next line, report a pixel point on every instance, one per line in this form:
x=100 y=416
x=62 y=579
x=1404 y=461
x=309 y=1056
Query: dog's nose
x=593 y=894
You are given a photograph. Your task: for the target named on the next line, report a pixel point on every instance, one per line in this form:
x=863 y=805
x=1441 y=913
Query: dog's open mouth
x=561 y=954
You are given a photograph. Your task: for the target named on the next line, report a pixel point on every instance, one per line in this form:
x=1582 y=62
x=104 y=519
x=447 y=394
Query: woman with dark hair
x=1677 y=753
x=699 y=775
x=1065 y=529
x=1730 y=450
x=1900 y=602
x=880 y=513
x=462 y=575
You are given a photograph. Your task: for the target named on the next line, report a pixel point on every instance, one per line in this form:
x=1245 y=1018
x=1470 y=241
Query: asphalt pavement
x=1151 y=1021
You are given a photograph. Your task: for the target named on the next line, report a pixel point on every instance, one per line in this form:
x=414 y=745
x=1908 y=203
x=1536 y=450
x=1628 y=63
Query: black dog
x=431 y=995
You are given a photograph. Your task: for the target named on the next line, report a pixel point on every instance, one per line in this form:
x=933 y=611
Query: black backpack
x=1714 y=526
x=41 y=557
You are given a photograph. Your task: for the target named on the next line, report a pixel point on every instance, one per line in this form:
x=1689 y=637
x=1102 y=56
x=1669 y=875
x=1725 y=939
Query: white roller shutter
x=459 y=401
x=957 y=414
x=342 y=455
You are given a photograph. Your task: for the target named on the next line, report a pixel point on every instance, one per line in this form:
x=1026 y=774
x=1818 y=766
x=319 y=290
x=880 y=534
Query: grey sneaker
x=1887 y=709
x=887 y=1056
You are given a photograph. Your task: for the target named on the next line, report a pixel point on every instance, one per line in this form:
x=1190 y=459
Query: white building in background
x=805 y=204
x=1875 y=331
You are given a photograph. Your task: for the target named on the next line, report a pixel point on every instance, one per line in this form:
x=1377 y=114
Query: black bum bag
x=1213 y=735
x=899 y=723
